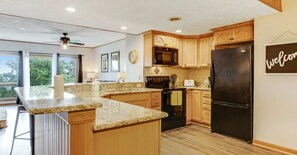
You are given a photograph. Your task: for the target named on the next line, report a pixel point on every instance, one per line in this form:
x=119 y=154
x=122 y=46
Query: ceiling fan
x=65 y=41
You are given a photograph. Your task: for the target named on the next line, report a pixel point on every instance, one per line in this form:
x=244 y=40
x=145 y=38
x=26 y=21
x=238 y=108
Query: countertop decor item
x=132 y=56
x=59 y=87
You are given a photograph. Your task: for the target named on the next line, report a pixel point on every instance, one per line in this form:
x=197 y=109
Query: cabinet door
x=223 y=36
x=196 y=106
x=243 y=33
x=170 y=42
x=179 y=44
x=159 y=40
x=166 y=41
x=190 y=53
x=189 y=106
x=205 y=47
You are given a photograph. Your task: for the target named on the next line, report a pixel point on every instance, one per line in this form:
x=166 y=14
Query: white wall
x=89 y=59
x=135 y=71
x=275 y=99
x=112 y=47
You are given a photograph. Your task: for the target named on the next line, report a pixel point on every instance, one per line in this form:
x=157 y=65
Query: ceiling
x=94 y=16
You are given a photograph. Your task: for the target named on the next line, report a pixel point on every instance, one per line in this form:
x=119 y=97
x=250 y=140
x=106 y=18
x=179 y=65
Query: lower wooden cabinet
x=146 y=100
x=189 y=106
x=198 y=107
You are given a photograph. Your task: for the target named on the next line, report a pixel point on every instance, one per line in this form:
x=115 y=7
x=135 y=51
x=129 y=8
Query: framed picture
x=115 y=61
x=281 y=59
x=104 y=62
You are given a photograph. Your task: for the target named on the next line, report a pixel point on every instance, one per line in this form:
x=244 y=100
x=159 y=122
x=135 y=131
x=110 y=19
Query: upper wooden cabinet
x=205 y=47
x=235 y=33
x=166 y=41
x=190 y=53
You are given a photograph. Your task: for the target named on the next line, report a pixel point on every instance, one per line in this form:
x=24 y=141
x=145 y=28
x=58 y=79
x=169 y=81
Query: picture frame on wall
x=115 y=61
x=104 y=63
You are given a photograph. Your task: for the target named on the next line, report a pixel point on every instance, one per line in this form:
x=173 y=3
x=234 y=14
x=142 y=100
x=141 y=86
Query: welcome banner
x=281 y=59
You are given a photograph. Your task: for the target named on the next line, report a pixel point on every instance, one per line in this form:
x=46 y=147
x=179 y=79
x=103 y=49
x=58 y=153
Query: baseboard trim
x=274 y=147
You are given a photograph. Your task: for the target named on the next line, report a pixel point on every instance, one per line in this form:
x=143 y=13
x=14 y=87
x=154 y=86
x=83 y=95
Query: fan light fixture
x=64 y=41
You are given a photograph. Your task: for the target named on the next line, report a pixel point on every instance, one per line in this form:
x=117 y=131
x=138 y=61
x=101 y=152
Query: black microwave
x=165 y=56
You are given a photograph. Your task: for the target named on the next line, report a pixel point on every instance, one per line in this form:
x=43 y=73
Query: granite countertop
x=197 y=88
x=40 y=100
x=109 y=113
x=116 y=114
x=127 y=91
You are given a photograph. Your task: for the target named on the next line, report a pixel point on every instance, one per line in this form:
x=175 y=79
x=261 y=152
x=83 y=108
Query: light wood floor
x=197 y=140
x=189 y=140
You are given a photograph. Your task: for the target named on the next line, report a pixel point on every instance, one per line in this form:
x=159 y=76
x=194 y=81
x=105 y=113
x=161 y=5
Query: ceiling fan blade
x=76 y=43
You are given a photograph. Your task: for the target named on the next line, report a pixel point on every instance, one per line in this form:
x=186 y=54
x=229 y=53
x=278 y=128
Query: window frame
x=47 y=55
x=76 y=64
x=11 y=84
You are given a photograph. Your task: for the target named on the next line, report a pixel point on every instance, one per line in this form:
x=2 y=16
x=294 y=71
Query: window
x=40 y=69
x=68 y=68
x=9 y=63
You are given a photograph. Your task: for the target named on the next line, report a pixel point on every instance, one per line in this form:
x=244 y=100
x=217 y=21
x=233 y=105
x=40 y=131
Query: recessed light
x=22 y=28
x=178 y=31
x=124 y=28
x=70 y=9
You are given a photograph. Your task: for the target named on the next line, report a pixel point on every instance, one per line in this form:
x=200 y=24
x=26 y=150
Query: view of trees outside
x=8 y=75
x=67 y=67
x=40 y=72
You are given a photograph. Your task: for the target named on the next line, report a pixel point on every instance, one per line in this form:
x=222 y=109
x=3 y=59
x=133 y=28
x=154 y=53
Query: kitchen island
x=85 y=123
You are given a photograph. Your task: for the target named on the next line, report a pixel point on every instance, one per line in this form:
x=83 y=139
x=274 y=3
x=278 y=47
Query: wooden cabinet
x=139 y=99
x=206 y=107
x=190 y=53
x=189 y=106
x=148 y=50
x=235 y=33
x=196 y=106
x=156 y=101
x=146 y=100
x=205 y=47
x=166 y=41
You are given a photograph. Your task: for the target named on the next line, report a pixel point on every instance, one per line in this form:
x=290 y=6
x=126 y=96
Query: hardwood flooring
x=189 y=140
x=21 y=147
x=197 y=140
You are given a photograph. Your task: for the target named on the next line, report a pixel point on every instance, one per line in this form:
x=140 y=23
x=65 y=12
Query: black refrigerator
x=232 y=92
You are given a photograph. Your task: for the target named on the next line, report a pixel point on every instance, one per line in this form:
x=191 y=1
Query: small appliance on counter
x=173 y=101
x=189 y=83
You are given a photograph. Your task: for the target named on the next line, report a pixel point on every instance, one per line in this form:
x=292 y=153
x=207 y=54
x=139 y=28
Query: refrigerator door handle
x=212 y=76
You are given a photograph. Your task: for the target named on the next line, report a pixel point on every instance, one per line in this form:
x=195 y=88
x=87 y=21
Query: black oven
x=165 y=56
x=176 y=109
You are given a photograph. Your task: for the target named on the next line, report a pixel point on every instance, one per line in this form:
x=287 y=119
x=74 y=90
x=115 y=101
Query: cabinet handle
x=231 y=38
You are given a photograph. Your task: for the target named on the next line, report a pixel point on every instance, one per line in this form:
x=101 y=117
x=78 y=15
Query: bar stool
x=21 y=109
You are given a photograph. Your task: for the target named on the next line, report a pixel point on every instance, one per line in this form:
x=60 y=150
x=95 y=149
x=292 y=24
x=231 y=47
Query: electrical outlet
x=139 y=77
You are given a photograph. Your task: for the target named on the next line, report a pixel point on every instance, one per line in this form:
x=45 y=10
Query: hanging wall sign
x=281 y=59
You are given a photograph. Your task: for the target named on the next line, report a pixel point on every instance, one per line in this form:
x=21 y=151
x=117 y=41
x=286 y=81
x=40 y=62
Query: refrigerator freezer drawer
x=235 y=121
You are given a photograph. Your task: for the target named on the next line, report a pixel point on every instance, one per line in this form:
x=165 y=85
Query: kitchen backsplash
x=199 y=75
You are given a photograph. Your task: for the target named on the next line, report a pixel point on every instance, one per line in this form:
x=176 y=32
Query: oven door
x=176 y=111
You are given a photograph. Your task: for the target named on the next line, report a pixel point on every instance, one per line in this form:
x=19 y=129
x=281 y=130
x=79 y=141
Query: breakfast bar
x=86 y=123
